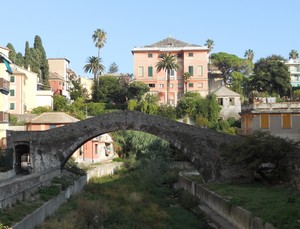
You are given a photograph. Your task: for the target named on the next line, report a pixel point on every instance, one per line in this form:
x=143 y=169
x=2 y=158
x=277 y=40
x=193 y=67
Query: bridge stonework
x=53 y=148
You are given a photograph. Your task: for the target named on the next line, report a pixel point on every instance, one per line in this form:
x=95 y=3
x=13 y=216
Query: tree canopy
x=271 y=75
x=227 y=64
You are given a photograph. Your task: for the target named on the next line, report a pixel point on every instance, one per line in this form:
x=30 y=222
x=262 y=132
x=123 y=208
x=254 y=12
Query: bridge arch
x=53 y=148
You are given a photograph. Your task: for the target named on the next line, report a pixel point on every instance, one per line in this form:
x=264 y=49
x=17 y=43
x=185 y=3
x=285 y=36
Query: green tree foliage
x=227 y=64
x=41 y=109
x=293 y=54
x=99 y=38
x=269 y=156
x=77 y=109
x=27 y=56
x=238 y=80
x=167 y=111
x=186 y=77
x=93 y=65
x=43 y=62
x=12 y=54
x=113 y=68
x=94 y=109
x=249 y=54
x=108 y=90
x=77 y=91
x=137 y=89
x=167 y=62
x=149 y=105
x=132 y=104
x=271 y=75
x=60 y=103
x=210 y=44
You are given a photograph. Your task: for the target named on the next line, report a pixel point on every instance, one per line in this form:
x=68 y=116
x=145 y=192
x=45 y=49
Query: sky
x=66 y=27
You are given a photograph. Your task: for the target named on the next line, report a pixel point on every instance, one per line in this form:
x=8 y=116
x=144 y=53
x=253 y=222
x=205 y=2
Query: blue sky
x=66 y=27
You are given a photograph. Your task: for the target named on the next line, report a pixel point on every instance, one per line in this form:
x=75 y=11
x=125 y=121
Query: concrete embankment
x=39 y=215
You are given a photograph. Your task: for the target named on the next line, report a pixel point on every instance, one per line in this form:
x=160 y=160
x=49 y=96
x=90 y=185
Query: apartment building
x=294 y=68
x=191 y=58
x=280 y=119
x=5 y=71
x=60 y=76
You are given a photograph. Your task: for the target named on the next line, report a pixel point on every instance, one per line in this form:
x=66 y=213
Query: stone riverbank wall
x=238 y=216
x=39 y=215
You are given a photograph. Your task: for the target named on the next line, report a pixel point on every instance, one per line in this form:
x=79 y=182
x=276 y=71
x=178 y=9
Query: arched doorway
x=22 y=158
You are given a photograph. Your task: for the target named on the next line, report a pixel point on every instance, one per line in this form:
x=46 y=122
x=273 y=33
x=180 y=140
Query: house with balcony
x=294 y=69
x=61 y=76
x=280 y=119
x=24 y=91
x=190 y=57
x=5 y=71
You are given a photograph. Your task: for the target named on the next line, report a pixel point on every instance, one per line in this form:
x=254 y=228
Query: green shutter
x=191 y=70
x=12 y=92
x=150 y=71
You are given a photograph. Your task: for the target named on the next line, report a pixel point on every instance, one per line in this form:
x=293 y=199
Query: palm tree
x=99 y=37
x=293 y=54
x=249 y=54
x=186 y=77
x=210 y=44
x=167 y=63
x=93 y=64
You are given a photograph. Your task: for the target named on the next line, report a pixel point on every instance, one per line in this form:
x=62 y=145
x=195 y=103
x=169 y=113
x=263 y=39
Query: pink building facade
x=191 y=58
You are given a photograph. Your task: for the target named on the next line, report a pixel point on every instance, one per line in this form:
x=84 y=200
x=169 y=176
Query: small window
x=231 y=101
x=172 y=73
x=12 y=79
x=12 y=106
x=200 y=71
x=150 y=71
x=191 y=85
x=191 y=70
x=191 y=54
x=161 y=85
x=150 y=55
x=200 y=85
x=171 y=85
x=220 y=101
x=96 y=148
x=179 y=55
x=151 y=85
x=141 y=71
x=12 y=92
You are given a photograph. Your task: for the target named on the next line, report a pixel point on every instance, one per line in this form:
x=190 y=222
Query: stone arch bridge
x=52 y=148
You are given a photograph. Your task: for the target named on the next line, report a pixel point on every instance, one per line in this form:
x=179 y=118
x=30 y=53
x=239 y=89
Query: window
x=12 y=106
x=141 y=71
x=191 y=70
x=264 y=121
x=150 y=71
x=179 y=55
x=96 y=148
x=200 y=70
x=161 y=85
x=172 y=73
x=150 y=55
x=12 y=92
x=191 y=85
x=200 y=85
x=151 y=85
x=220 y=101
x=52 y=126
x=231 y=101
x=180 y=85
x=191 y=54
x=12 y=79
x=286 y=121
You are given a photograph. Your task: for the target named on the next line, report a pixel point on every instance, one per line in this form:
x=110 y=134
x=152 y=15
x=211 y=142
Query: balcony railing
x=4 y=117
x=4 y=86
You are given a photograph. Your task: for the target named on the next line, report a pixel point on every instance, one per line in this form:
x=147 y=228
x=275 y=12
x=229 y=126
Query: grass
x=278 y=205
x=124 y=201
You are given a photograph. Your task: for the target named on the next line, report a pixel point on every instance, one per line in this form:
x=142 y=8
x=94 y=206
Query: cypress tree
x=12 y=54
x=43 y=62
x=27 y=57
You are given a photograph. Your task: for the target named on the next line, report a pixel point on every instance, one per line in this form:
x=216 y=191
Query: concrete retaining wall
x=238 y=216
x=39 y=215
x=21 y=187
x=7 y=175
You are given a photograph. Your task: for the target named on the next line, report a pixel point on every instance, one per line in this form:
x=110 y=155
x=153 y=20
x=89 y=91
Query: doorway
x=23 y=159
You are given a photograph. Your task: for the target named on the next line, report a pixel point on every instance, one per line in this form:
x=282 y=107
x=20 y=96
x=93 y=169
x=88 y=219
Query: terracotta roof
x=224 y=91
x=55 y=75
x=171 y=42
x=53 y=117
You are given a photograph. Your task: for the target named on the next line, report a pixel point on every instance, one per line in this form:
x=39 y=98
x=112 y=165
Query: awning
x=7 y=66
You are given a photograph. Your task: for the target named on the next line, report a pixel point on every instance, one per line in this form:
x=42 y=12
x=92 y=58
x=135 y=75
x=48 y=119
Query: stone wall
x=238 y=216
x=39 y=215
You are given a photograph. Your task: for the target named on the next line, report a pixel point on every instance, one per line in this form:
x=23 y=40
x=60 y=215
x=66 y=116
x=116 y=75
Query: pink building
x=95 y=150
x=191 y=58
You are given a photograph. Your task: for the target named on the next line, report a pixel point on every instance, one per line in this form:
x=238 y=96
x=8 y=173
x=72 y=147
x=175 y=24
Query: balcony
x=4 y=86
x=4 y=117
